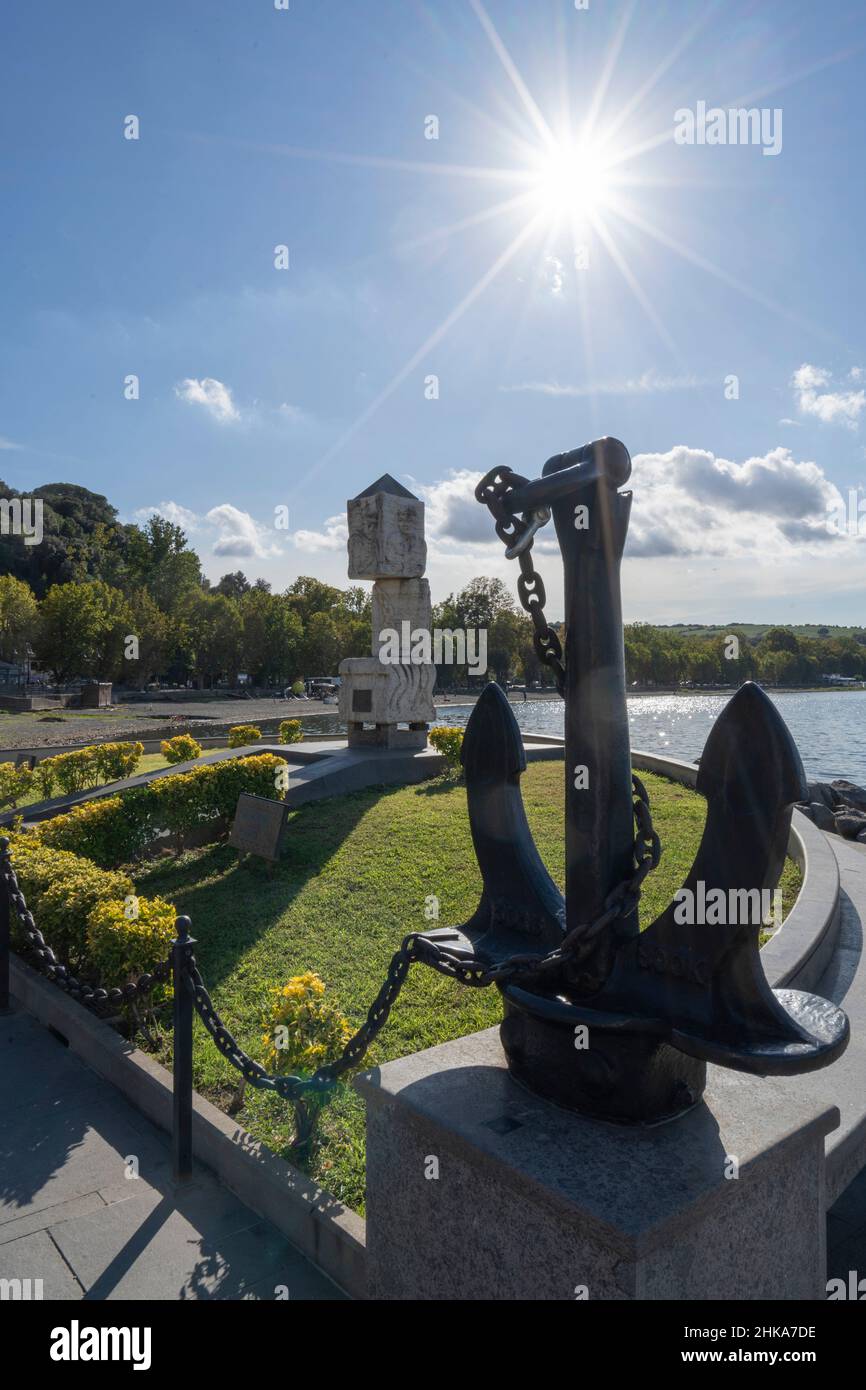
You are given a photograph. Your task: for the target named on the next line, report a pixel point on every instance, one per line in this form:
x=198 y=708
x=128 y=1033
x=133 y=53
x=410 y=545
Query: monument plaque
x=259 y=826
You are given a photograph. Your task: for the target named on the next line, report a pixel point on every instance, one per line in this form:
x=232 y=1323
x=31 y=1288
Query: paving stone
x=139 y=1250
x=18 y=1226
x=66 y=1204
x=37 y=1257
x=68 y=1148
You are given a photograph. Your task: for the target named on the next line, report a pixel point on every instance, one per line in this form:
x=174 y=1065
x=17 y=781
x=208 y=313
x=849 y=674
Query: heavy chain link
x=517 y=535
x=41 y=957
x=455 y=962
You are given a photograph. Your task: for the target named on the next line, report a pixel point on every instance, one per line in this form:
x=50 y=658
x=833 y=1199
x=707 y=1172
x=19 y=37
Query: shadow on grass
x=233 y=903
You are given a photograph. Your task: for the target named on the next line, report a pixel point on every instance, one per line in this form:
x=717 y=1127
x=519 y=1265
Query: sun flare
x=573 y=180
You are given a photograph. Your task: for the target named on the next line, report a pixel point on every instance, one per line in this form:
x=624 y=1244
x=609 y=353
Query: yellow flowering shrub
x=62 y=890
x=242 y=734
x=302 y=1031
x=180 y=749
x=448 y=742
x=126 y=939
x=15 y=783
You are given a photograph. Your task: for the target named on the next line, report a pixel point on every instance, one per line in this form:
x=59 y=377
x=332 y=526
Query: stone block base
x=386 y=736
x=477 y=1189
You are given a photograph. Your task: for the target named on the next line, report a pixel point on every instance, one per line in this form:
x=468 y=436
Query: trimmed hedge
x=242 y=734
x=62 y=890
x=126 y=939
x=118 y=829
x=87 y=767
x=15 y=783
x=183 y=748
x=448 y=741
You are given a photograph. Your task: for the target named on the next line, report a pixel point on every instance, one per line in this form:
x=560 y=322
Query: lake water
x=827 y=726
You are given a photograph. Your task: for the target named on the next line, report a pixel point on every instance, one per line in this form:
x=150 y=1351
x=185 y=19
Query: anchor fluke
x=521 y=908
x=698 y=966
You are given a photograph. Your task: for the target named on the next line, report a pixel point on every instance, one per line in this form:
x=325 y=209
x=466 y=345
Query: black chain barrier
x=41 y=957
x=477 y=971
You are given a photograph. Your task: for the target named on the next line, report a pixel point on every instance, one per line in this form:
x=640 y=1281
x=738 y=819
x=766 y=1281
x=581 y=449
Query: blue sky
x=625 y=279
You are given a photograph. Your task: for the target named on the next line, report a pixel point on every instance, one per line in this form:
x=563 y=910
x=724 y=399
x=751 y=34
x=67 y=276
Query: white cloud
x=172 y=511
x=212 y=394
x=648 y=383
x=831 y=407
x=687 y=502
x=333 y=536
x=239 y=534
x=9 y=444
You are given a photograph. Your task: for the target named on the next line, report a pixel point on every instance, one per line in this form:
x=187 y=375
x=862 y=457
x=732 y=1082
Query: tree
x=155 y=638
x=308 y=596
x=81 y=629
x=481 y=603
x=233 y=585
x=161 y=562
x=213 y=636
x=321 y=645
x=18 y=617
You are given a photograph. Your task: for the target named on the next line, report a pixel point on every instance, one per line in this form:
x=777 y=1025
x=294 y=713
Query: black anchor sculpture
x=623 y=1027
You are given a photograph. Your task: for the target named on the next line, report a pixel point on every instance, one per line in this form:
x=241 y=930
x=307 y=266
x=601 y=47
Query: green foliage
x=448 y=741
x=126 y=939
x=81 y=630
x=109 y=831
x=242 y=734
x=183 y=748
x=291 y=731
x=118 y=829
x=18 y=615
x=87 y=767
x=61 y=891
x=302 y=1030
x=15 y=783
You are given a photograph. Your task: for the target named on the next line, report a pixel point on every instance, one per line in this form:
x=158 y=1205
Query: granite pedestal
x=476 y=1189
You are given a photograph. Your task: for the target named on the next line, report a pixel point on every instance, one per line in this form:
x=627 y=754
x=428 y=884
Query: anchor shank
x=598 y=815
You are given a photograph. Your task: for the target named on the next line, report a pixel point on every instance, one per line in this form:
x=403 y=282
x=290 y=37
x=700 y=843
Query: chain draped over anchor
x=518 y=536
x=477 y=971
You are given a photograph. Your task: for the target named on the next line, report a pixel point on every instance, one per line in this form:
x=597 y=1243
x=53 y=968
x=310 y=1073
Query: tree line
x=117 y=601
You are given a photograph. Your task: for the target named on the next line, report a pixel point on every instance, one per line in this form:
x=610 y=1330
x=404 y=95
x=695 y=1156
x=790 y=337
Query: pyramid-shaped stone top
x=386 y=532
x=390 y=485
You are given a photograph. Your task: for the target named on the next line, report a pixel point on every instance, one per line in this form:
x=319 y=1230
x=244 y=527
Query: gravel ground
x=162 y=718
x=50 y=729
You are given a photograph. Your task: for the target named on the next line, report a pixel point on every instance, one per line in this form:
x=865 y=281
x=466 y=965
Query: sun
x=573 y=180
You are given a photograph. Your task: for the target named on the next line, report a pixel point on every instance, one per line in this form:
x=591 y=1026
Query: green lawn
x=353 y=882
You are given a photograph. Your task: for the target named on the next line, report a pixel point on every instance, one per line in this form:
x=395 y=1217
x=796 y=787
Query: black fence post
x=182 y=1100
x=4 y=925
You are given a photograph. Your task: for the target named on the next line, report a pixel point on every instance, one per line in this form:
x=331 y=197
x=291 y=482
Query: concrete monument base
x=476 y=1189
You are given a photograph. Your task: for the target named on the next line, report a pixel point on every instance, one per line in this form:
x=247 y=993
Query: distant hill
x=757 y=630
x=78 y=526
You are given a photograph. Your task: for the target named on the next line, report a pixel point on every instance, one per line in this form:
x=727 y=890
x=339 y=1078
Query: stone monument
x=387 y=703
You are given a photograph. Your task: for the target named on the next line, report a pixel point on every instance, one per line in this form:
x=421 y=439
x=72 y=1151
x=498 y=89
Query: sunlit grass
x=354 y=881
